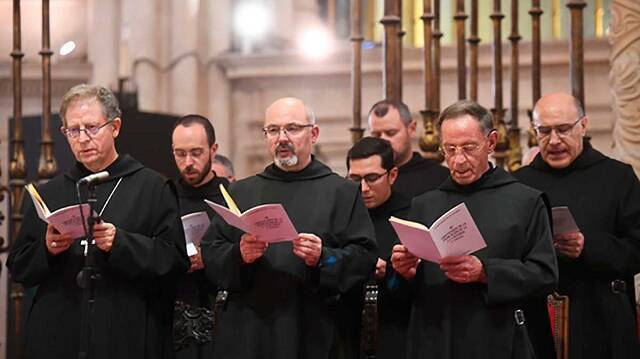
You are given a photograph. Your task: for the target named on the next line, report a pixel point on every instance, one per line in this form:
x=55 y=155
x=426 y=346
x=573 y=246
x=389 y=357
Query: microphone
x=94 y=178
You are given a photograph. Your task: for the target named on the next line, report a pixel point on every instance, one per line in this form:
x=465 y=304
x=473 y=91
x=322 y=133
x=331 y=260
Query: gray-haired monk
x=139 y=242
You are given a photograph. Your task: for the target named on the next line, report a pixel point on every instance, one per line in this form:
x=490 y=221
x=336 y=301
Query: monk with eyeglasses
x=598 y=259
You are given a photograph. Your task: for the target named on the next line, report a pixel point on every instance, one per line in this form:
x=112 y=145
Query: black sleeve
x=340 y=269
x=162 y=252
x=29 y=262
x=221 y=256
x=534 y=274
x=619 y=252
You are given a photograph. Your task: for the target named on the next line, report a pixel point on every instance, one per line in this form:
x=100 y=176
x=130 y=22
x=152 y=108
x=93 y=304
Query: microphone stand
x=89 y=274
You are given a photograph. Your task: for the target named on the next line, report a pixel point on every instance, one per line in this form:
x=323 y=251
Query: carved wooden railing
x=47 y=166
x=508 y=151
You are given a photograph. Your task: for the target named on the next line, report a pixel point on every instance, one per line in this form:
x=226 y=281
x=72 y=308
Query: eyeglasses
x=467 y=149
x=292 y=129
x=90 y=130
x=369 y=178
x=195 y=153
x=561 y=130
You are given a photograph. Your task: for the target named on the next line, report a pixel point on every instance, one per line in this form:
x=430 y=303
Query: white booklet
x=453 y=234
x=268 y=222
x=66 y=220
x=563 y=221
x=194 y=225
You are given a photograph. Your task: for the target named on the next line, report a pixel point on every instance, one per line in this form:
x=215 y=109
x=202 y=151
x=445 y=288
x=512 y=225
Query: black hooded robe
x=132 y=314
x=393 y=306
x=278 y=307
x=604 y=197
x=450 y=320
x=418 y=176
x=194 y=289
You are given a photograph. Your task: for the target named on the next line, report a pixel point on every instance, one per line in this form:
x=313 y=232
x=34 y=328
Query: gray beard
x=285 y=163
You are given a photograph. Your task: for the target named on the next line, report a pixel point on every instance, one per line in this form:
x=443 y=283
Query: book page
x=563 y=221
x=270 y=223
x=194 y=225
x=455 y=233
x=231 y=218
x=68 y=220
x=38 y=202
x=416 y=237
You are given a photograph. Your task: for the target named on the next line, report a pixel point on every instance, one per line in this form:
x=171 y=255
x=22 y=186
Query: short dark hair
x=224 y=161
x=372 y=146
x=381 y=108
x=471 y=108
x=188 y=120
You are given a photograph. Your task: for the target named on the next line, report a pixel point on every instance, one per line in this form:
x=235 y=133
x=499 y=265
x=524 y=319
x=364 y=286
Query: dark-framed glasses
x=563 y=130
x=292 y=129
x=369 y=178
x=194 y=153
x=466 y=149
x=90 y=130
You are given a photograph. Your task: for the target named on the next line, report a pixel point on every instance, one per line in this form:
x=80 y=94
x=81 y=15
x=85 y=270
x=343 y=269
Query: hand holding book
x=267 y=222
x=568 y=240
x=251 y=249
x=453 y=234
x=66 y=220
x=404 y=262
x=56 y=242
x=463 y=269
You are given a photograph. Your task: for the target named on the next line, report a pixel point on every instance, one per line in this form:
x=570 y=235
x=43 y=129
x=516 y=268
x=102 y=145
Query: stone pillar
x=103 y=27
x=624 y=36
x=143 y=45
x=183 y=75
x=216 y=24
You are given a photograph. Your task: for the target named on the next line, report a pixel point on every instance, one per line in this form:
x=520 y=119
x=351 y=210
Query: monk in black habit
x=194 y=147
x=391 y=120
x=598 y=262
x=370 y=163
x=472 y=306
x=283 y=297
x=140 y=247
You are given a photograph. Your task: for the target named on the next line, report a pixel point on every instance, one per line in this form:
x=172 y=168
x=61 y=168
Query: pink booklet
x=66 y=220
x=268 y=222
x=194 y=225
x=453 y=234
x=563 y=221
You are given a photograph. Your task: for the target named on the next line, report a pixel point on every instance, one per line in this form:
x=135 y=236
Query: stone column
x=103 y=27
x=216 y=23
x=183 y=75
x=624 y=36
x=143 y=45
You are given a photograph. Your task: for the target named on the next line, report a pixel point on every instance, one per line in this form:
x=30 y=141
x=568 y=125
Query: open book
x=66 y=220
x=268 y=222
x=563 y=221
x=194 y=225
x=453 y=234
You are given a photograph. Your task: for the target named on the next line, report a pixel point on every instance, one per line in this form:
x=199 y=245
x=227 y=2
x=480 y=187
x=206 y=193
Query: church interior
x=229 y=59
